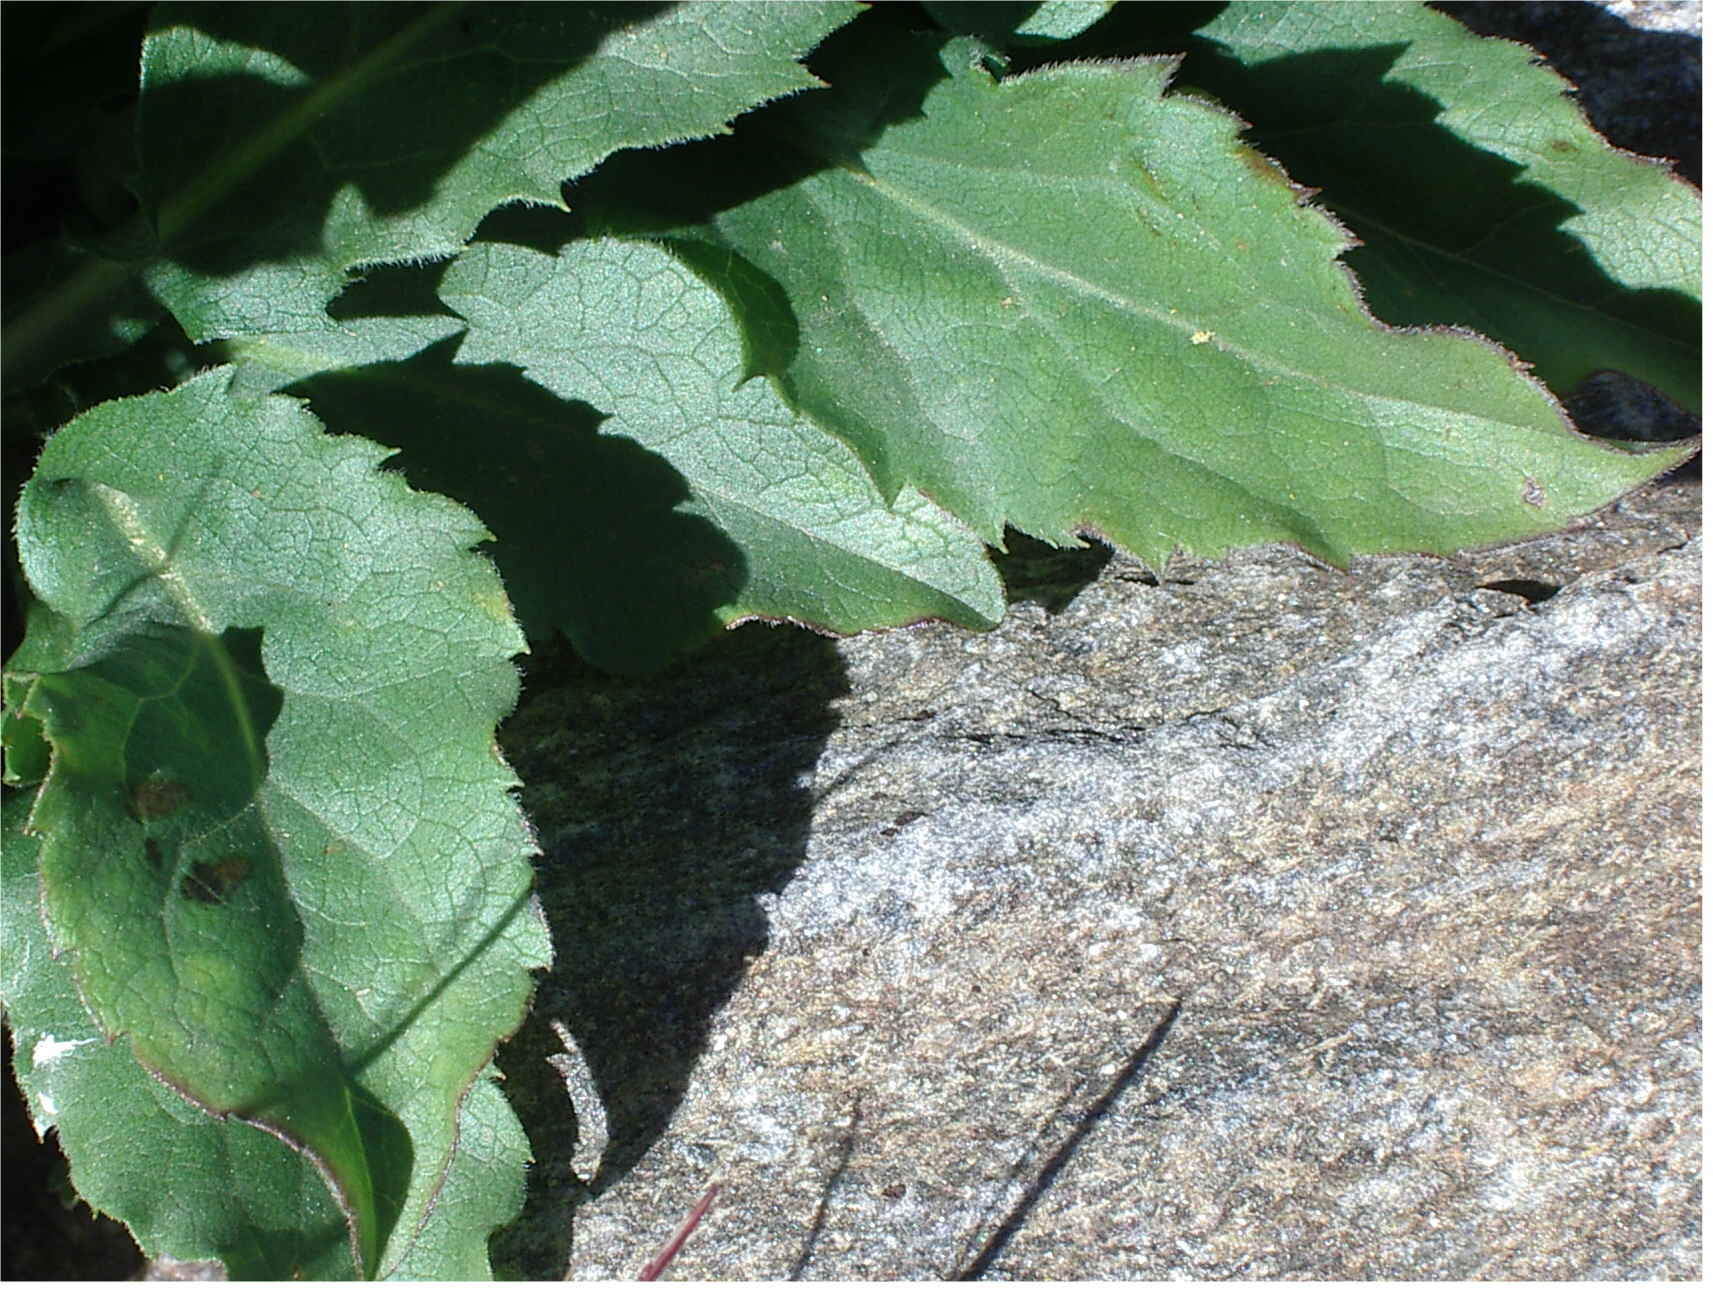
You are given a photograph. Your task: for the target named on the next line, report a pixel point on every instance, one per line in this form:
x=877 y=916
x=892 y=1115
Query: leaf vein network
x=1000 y=252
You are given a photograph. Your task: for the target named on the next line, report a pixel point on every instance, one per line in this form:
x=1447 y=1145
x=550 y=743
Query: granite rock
x=1257 y=921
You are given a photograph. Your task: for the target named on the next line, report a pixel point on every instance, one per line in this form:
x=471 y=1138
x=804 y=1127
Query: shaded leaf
x=278 y=851
x=66 y=304
x=242 y=1196
x=279 y=154
x=383 y=133
x=70 y=84
x=612 y=518
x=48 y=113
x=238 y=1194
x=592 y=533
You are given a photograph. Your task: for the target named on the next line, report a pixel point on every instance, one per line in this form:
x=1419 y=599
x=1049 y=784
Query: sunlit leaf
x=279 y=856
x=1074 y=303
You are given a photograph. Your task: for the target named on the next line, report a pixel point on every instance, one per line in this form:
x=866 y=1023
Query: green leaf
x=383 y=133
x=482 y=1190
x=693 y=504
x=634 y=332
x=590 y=532
x=238 y=1194
x=279 y=855
x=1020 y=21
x=26 y=748
x=1479 y=191
x=1075 y=304
x=279 y=154
x=265 y=364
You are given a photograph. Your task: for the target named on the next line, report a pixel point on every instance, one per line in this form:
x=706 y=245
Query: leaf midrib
x=999 y=253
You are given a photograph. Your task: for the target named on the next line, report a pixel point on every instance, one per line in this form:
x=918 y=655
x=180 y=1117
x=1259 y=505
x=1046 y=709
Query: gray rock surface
x=1411 y=853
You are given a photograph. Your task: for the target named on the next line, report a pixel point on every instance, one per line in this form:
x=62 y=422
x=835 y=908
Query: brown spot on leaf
x=211 y=882
x=157 y=797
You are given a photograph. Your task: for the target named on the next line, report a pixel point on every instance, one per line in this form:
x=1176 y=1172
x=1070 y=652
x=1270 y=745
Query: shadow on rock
x=667 y=807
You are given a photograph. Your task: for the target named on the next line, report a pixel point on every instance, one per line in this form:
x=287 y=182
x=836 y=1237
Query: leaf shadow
x=173 y=770
x=667 y=804
x=1372 y=152
x=289 y=196
x=1634 y=83
x=780 y=143
x=587 y=532
x=1049 y=576
x=668 y=196
x=670 y=807
x=1422 y=258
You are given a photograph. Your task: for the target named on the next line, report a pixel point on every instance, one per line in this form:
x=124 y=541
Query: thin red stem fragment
x=656 y=1267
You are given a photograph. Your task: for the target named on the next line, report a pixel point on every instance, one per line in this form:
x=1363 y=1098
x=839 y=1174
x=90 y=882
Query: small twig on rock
x=657 y=1266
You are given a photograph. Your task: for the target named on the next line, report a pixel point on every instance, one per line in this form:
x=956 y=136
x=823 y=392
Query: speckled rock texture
x=1252 y=921
x=894 y=951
